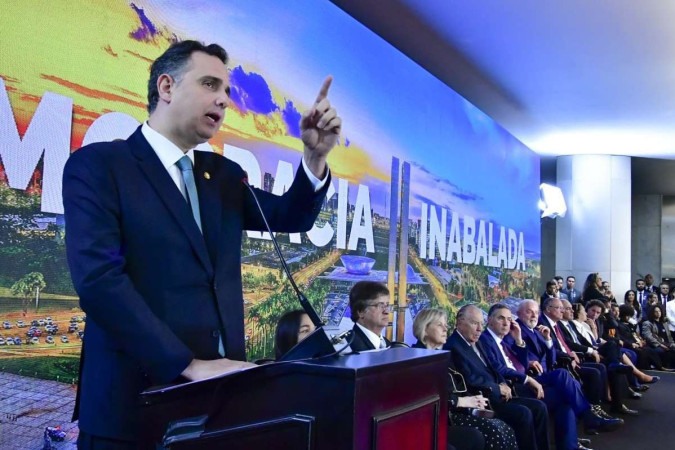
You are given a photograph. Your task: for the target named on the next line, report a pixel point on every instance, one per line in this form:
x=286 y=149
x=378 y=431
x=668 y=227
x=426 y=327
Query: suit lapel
x=171 y=197
x=483 y=355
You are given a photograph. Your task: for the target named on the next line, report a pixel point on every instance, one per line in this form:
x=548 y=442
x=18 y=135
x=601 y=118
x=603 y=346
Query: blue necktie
x=185 y=166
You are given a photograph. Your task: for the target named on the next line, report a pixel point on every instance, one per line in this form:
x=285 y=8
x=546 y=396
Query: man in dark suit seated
x=527 y=416
x=154 y=241
x=504 y=345
x=542 y=357
x=369 y=305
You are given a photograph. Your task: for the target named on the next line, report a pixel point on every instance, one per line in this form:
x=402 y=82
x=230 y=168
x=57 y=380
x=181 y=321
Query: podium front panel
x=353 y=402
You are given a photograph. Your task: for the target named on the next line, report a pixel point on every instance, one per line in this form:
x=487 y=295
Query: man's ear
x=165 y=85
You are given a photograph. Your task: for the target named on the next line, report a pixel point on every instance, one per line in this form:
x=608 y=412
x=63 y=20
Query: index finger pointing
x=323 y=92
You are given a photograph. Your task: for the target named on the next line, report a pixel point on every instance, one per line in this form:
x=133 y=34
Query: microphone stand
x=318 y=343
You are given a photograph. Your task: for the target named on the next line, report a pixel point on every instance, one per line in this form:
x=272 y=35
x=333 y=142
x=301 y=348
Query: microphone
x=340 y=336
x=306 y=305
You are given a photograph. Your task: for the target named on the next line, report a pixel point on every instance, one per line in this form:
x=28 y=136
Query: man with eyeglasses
x=369 y=304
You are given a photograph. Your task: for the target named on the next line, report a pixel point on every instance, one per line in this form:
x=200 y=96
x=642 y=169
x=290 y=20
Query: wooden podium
x=386 y=400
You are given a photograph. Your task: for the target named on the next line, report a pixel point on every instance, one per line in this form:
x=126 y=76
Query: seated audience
x=542 y=358
x=369 y=304
x=593 y=372
x=629 y=356
x=646 y=357
x=292 y=327
x=431 y=330
x=505 y=347
x=658 y=337
x=527 y=416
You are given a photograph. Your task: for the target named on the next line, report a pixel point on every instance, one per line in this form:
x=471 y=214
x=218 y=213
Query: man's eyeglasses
x=382 y=306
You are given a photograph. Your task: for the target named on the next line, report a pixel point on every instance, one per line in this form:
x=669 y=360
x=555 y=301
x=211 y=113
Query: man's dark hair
x=572 y=277
x=639 y=279
x=597 y=303
x=361 y=293
x=173 y=62
x=496 y=307
x=551 y=283
x=547 y=301
x=558 y=278
x=626 y=312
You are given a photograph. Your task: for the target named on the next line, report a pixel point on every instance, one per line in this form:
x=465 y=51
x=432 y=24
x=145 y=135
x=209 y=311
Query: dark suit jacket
x=536 y=348
x=157 y=292
x=626 y=333
x=360 y=342
x=495 y=356
x=475 y=372
x=582 y=346
x=573 y=295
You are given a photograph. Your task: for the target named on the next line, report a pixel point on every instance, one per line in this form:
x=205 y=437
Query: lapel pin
x=207 y=175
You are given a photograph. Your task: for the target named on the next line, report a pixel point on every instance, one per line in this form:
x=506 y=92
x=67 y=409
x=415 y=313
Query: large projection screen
x=75 y=72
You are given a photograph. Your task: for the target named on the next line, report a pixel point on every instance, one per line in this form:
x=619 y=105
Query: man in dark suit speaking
x=154 y=240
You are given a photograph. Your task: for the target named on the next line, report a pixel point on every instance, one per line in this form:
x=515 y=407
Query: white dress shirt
x=374 y=339
x=169 y=154
x=506 y=358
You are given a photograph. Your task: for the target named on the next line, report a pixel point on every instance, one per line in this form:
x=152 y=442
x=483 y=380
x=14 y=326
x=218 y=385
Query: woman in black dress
x=431 y=330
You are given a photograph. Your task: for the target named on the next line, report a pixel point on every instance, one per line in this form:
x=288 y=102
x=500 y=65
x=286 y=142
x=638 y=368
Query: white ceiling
x=563 y=76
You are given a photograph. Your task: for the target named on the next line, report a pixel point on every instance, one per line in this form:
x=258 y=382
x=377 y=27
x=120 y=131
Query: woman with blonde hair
x=431 y=330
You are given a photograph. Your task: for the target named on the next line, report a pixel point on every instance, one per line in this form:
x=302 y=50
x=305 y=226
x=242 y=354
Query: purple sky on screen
x=291 y=118
x=250 y=92
x=147 y=30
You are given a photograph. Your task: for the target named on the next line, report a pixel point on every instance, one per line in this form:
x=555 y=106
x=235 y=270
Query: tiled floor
x=28 y=405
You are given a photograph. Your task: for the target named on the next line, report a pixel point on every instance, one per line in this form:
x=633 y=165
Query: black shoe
x=620 y=368
x=625 y=411
x=642 y=387
x=655 y=378
x=581 y=447
x=594 y=423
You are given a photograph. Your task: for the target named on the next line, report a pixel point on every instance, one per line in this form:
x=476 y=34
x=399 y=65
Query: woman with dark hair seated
x=431 y=330
x=656 y=333
x=292 y=327
x=627 y=332
x=630 y=299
